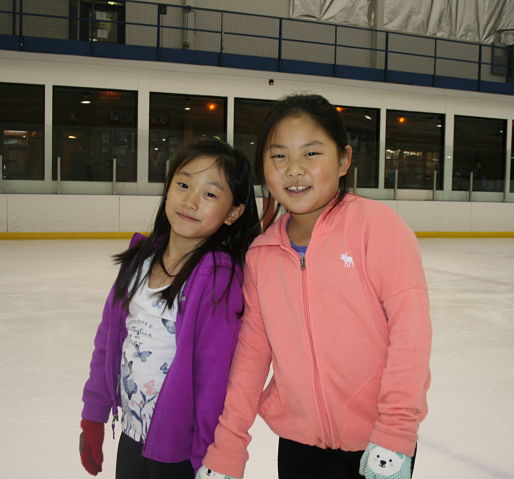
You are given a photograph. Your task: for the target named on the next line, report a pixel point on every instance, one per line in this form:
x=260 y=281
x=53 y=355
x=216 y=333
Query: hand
x=206 y=473
x=90 y=446
x=379 y=463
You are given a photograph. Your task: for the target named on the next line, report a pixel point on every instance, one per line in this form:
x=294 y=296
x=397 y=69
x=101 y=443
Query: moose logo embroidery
x=347 y=259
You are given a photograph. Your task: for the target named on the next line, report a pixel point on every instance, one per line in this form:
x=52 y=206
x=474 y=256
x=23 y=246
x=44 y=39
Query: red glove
x=90 y=446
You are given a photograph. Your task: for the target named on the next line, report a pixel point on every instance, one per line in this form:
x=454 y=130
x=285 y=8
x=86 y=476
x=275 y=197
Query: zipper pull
x=114 y=418
x=302 y=262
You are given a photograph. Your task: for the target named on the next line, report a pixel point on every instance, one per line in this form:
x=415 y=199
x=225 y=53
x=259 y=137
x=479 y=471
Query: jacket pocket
x=361 y=411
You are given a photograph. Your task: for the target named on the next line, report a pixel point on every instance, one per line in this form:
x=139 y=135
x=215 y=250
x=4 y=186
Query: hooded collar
x=276 y=234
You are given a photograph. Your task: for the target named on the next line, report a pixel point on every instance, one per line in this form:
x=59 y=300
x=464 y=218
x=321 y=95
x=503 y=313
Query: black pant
x=299 y=460
x=130 y=464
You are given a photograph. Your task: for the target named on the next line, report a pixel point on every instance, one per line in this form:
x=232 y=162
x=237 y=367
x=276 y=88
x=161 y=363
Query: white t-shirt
x=147 y=354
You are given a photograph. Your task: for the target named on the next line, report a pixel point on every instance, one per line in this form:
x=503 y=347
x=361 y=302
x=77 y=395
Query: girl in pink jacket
x=336 y=301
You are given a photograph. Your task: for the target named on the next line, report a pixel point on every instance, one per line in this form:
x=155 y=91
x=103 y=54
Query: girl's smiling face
x=302 y=165
x=199 y=201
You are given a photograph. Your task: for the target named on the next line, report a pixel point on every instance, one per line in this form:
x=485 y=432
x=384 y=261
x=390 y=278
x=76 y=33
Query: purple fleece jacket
x=193 y=392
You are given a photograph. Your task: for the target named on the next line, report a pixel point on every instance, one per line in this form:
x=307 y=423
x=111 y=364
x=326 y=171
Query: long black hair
x=233 y=240
x=319 y=110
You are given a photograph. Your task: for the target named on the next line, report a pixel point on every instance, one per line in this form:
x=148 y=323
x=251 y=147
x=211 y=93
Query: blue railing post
x=279 y=56
x=479 y=76
x=335 y=53
x=434 y=74
x=386 y=60
x=14 y=17
x=21 y=24
x=160 y=10
x=220 y=58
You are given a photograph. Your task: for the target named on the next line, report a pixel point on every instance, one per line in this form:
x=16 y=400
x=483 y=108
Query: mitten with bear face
x=380 y=463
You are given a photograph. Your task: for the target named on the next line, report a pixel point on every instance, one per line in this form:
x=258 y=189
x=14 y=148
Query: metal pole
x=395 y=183
x=1 y=174
x=58 y=175
x=470 y=185
x=114 y=176
x=220 y=58
x=355 y=180
x=434 y=185
x=279 y=53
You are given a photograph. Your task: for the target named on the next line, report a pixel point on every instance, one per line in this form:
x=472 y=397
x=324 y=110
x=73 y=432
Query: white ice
x=52 y=293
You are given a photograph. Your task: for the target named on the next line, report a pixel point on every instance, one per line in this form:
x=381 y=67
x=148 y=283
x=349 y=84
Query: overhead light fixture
x=187 y=108
x=339 y=109
x=439 y=125
x=402 y=119
x=212 y=106
x=368 y=117
x=72 y=137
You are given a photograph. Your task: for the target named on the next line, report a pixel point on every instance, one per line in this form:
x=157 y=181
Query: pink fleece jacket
x=347 y=331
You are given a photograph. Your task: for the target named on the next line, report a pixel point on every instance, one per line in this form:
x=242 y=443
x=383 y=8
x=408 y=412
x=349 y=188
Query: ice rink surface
x=51 y=297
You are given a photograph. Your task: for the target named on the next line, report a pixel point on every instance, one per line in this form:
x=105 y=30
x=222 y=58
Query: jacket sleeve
x=217 y=326
x=396 y=273
x=228 y=454
x=96 y=397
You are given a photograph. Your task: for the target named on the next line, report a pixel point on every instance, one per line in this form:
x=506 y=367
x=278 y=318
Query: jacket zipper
x=317 y=385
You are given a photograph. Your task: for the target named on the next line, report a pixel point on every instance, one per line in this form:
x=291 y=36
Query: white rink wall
x=112 y=213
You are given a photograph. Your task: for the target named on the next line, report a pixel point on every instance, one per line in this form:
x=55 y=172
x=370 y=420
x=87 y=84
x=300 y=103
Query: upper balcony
x=141 y=30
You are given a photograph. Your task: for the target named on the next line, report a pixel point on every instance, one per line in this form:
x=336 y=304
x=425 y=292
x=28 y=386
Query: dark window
x=249 y=116
x=414 y=147
x=362 y=125
x=479 y=147
x=22 y=117
x=91 y=128
x=177 y=119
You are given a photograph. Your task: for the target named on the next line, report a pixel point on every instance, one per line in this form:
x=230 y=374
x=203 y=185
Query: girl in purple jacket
x=170 y=323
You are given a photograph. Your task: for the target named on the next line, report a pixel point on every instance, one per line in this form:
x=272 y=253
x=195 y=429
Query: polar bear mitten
x=206 y=473
x=380 y=463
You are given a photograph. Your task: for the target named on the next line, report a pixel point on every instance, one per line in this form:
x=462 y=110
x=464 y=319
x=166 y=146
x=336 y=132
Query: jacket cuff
x=94 y=412
x=223 y=465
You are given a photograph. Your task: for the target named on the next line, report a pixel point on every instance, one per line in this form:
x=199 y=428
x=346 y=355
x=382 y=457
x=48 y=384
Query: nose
x=382 y=462
x=294 y=168
x=191 y=200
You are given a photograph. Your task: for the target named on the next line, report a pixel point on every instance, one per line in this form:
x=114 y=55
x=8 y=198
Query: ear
x=234 y=213
x=345 y=160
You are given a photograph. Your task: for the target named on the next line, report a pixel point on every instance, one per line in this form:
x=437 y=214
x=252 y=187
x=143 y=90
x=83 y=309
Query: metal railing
x=165 y=32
